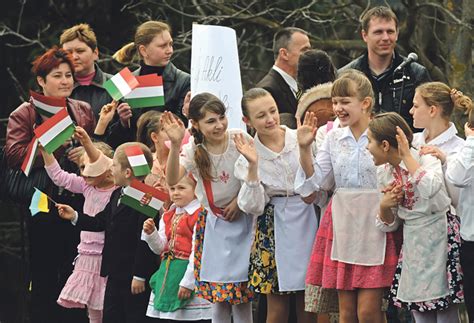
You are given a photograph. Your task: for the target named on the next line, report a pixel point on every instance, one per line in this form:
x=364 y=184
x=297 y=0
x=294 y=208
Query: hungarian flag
x=27 y=164
x=47 y=106
x=121 y=84
x=55 y=131
x=143 y=198
x=137 y=160
x=149 y=92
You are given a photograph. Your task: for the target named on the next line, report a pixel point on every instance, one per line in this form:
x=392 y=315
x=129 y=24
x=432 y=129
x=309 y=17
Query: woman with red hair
x=52 y=241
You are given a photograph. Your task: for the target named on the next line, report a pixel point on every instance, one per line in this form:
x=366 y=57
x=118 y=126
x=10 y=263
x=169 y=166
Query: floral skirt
x=454 y=272
x=322 y=271
x=263 y=271
x=232 y=293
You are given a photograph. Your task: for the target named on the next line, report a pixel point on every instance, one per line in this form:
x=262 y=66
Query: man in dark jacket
x=394 y=90
x=81 y=42
x=288 y=44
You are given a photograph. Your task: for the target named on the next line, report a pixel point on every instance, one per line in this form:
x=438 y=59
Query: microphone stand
x=402 y=88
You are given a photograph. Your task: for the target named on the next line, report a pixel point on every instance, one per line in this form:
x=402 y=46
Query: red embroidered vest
x=179 y=232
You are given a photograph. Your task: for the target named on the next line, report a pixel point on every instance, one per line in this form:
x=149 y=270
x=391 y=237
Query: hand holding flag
x=66 y=212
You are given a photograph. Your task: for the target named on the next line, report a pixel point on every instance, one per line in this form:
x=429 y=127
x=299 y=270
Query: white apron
x=295 y=229
x=356 y=239
x=226 y=249
x=424 y=268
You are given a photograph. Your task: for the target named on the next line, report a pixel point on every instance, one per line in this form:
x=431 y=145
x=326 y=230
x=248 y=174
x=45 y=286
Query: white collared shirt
x=342 y=161
x=450 y=144
x=288 y=79
x=460 y=172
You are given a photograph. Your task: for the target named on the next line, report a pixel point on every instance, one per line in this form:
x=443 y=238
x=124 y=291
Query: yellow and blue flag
x=39 y=202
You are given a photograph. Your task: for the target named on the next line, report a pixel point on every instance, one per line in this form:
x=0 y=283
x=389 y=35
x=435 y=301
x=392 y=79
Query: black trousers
x=121 y=306
x=53 y=247
x=467 y=264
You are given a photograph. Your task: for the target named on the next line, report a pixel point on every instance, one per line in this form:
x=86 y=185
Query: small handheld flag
x=47 y=106
x=143 y=198
x=137 y=160
x=55 y=131
x=30 y=158
x=149 y=92
x=121 y=84
x=39 y=202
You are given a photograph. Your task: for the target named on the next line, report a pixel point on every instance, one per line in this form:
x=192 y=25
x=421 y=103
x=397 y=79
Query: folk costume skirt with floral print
x=232 y=293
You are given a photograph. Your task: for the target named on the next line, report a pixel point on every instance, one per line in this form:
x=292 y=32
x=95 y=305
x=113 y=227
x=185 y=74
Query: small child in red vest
x=172 y=285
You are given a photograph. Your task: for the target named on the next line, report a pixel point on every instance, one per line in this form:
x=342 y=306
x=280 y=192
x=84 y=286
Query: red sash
x=210 y=199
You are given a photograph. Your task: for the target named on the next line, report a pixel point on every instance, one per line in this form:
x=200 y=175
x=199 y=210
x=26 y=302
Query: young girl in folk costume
x=224 y=236
x=85 y=287
x=350 y=254
x=172 y=296
x=286 y=225
x=415 y=193
x=433 y=105
x=460 y=172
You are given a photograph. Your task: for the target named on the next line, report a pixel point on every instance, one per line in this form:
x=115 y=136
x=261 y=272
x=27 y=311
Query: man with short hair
x=81 y=42
x=288 y=44
x=394 y=90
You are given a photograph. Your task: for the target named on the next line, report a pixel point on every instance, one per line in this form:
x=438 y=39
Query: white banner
x=215 y=68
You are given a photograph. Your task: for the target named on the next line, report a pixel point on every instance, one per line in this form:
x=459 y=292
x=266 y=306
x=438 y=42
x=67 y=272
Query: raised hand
x=307 y=131
x=187 y=100
x=81 y=135
x=246 y=148
x=403 y=145
x=149 y=226
x=173 y=127
x=125 y=114
x=433 y=151
x=107 y=112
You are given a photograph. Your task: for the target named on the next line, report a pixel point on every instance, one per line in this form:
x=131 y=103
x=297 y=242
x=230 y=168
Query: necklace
x=217 y=164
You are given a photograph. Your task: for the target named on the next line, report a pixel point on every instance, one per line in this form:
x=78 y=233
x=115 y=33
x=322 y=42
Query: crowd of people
x=329 y=203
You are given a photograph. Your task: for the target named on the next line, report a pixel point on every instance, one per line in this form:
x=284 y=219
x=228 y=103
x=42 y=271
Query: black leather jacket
x=94 y=94
x=388 y=86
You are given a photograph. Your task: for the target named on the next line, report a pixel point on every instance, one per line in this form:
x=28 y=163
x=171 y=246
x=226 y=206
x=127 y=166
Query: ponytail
x=201 y=156
x=463 y=102
x=126 y=54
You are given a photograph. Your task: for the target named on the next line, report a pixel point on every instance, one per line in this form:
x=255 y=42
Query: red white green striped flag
x=30 y=158
x=143 y=198
x=55 y=131
x=121 y=84
x=137 y=160
x=47 y=106
x=149 y=92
